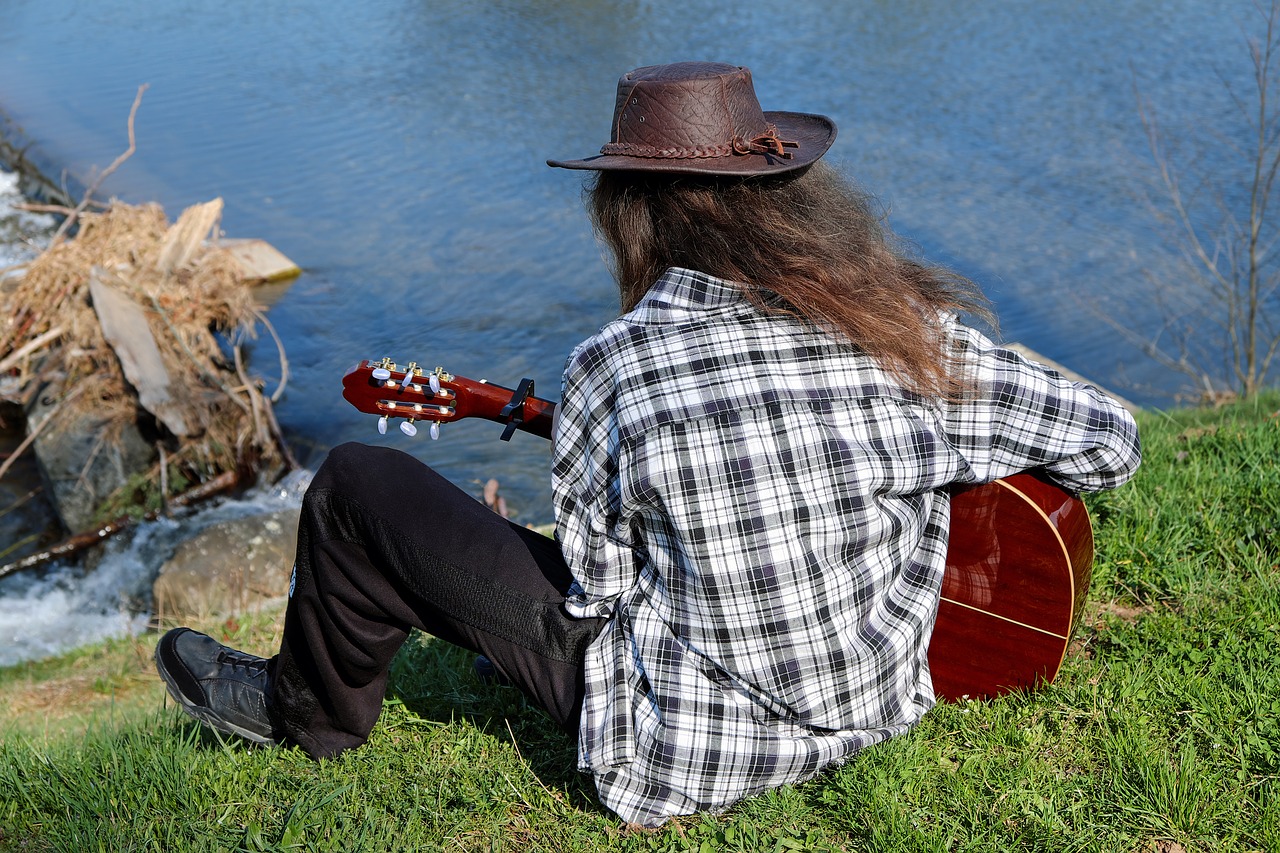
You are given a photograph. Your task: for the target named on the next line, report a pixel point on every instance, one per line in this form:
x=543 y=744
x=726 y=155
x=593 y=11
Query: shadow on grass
x=433 y=690
x=436 y=682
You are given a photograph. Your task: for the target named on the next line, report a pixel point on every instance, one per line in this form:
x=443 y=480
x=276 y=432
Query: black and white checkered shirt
x=759 y=509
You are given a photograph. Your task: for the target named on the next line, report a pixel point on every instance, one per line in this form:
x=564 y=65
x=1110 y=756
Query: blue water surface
x=395 y=149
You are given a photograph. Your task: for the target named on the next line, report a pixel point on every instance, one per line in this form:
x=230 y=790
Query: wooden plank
x=125 y=327
x=186 y=236
x=258 y=260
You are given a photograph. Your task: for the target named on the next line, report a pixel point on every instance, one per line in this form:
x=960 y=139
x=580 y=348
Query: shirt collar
x=687 y=289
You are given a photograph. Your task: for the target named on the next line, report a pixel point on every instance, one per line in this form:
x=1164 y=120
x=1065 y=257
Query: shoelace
x=252 y=665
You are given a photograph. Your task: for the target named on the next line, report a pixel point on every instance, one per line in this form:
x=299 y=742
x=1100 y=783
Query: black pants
x=384 y=545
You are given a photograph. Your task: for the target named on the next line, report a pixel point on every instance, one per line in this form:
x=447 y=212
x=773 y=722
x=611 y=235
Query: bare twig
x=284 y=361
x=20 y=502
x=291 y=462
x=80 y=208
x=164 y=476
x=99 y=442
x=21 y=543
x=255 y=397
x=32 y=207
x=1218 y=319
x=100 y=533
x=29 y=347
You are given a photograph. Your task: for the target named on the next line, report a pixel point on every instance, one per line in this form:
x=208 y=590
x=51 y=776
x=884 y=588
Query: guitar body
x=1018 y=561
x=1018 y=567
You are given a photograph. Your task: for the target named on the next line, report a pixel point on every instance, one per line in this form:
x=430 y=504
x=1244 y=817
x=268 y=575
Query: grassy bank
x=1161 y=734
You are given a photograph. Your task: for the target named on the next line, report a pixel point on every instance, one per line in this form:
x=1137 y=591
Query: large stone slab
x=124 y=325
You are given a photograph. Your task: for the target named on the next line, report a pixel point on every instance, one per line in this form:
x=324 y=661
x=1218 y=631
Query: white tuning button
x=408 y=428
x=381 y=374
x=435 y=384
x=435 y=430
x=382 y=425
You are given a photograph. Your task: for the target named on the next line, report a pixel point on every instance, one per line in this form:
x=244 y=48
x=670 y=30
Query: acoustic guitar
x=1018 y=561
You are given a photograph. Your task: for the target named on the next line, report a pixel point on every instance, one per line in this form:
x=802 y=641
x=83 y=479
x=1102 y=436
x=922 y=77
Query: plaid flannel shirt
x=760 y=511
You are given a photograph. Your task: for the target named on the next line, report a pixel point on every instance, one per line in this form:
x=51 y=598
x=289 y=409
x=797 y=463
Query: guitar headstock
x=389 y=390
x=386 y=389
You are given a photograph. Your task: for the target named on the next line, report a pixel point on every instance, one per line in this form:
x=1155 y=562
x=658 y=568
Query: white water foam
x=47 y=611
x=22 y=234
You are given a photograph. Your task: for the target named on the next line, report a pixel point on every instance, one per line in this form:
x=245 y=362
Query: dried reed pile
x=198 y=311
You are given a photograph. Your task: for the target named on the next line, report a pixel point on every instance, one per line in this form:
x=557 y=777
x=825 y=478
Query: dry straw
x=198 y=310
x=127 y=320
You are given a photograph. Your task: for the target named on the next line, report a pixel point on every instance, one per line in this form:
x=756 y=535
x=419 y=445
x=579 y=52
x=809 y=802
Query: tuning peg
x=381 y=374
x=382 y=425
x=435 y=384
x=408 y=428
x=435 y=430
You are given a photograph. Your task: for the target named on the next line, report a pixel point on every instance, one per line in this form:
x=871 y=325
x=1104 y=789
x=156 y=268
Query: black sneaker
x=217 y=685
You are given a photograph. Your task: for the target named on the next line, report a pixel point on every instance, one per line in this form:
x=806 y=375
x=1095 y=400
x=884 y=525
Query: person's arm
x=587 y=490
x=1025 y=416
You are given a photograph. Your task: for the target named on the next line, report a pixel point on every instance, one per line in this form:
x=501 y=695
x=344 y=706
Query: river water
x=395 y=150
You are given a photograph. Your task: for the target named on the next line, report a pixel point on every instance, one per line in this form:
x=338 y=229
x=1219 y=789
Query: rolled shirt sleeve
x=1024 y=416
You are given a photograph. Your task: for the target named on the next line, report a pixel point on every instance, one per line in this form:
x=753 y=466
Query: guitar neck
x=434 y=397
x=488 y=401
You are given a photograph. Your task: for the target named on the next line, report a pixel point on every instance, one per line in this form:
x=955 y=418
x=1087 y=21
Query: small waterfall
x=56 y=608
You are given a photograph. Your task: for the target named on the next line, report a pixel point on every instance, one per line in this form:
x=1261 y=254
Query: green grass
x=1161 y=734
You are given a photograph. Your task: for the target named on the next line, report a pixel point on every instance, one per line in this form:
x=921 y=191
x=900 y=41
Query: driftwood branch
x=32 y=207
x=290 y=461
x=80 y=541
x=255 y=397
x=261 y=404
x=284 y=361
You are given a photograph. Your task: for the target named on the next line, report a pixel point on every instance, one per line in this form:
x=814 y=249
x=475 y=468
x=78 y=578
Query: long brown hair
x=809 y=244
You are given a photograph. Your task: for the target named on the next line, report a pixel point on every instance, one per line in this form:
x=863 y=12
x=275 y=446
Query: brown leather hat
x=704 y=118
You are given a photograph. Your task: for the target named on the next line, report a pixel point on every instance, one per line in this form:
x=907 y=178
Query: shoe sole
x=203 y=714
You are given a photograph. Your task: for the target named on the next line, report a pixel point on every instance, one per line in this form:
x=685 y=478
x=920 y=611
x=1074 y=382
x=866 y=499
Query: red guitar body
x=1018 y=566
x=1018 y=561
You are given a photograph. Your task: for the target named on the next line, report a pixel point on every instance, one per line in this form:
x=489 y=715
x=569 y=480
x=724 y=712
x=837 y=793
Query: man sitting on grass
x=751 y=478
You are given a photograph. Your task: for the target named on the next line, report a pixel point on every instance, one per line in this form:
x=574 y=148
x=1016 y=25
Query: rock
x=228 y=568
x=80 y=462
x=27 y=520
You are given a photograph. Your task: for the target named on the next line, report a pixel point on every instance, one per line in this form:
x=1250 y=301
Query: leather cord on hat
x=766 y=143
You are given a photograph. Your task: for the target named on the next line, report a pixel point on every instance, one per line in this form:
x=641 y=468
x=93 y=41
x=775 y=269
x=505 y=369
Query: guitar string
x=1070 y=576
